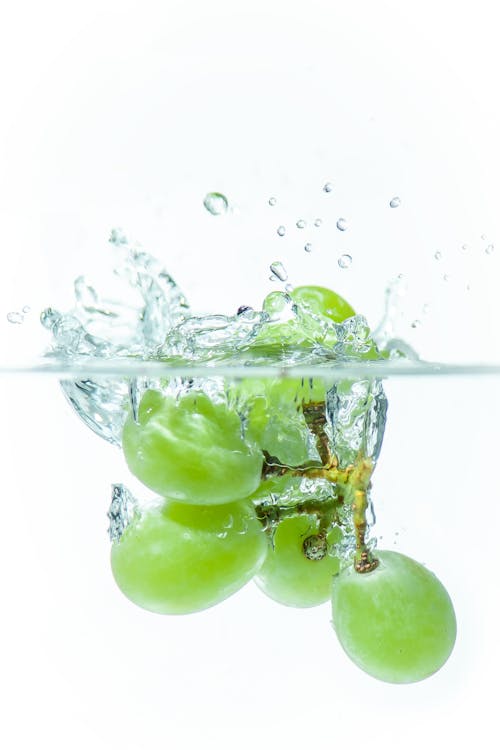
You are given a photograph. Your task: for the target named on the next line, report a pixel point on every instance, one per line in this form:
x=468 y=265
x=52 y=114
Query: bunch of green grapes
x=248 y=489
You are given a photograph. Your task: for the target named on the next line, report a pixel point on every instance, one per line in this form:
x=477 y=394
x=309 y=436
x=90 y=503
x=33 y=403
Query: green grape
x=275 y=418
x=322 y=301
x=298 y=569
x=397 y=622
x=178 y=559
x=191 y=450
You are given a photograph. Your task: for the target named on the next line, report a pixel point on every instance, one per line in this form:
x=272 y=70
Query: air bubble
x=308 y=247
x=281 y=231
x=215 y=203
x=15 y=317
x=345 y=260
x=278 y=270
x=300 y=224
x=395 y=202
x=342 y=224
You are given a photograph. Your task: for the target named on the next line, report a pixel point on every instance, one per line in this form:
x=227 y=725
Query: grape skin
x=178 y=559
x=397 y=623
x=191 y=450
x=287 y=575
x=323 y=301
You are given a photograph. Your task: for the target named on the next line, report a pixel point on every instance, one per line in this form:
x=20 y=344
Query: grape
x=322 y=301
x=191 y=450
x=275 y=419
x=178 y=559
x=397 y=622
x=288 y=575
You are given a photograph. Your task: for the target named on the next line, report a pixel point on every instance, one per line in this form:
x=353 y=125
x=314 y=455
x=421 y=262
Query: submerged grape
x=177 y=559
x=397 y=622
x=298 y=568
x=191 y=449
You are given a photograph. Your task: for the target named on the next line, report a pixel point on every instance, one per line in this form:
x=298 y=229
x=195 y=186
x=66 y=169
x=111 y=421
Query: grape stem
x=352 y=482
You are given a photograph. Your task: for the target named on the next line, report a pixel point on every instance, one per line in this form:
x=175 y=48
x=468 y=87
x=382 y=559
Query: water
x=395 y=202
x=397 y=413
x=345 y=260
x=216 y=203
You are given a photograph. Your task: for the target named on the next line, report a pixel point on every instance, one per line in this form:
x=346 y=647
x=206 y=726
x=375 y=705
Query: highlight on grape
x=257 y=473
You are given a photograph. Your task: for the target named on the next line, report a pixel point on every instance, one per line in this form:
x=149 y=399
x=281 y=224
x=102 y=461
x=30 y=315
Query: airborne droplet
x=215 y=203
x=488 y=250
x=395 y=202
x=15 y=317
x=272 y=201
x=327 y=187
x=281 y=231
x=438 y=255
x=300 y=224
x=308 y=247
x=278 y=270
x=342 y=224
x=345 y=260
x=317 y=222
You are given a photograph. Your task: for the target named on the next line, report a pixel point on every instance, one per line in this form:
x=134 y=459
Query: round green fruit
x=177 y=559
x=397 y=622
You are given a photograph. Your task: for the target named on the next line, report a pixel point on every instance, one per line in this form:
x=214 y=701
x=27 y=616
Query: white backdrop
x=127 y=114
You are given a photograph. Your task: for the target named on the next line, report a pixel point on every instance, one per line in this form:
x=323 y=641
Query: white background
x=126 y=114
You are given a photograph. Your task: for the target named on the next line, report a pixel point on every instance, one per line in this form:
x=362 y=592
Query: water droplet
x=317 y=222
x=483 y=236
x=289 y=288
x=342 y=224
x=465 y=247
x=415 y=324
x=15 y=317
x=278 y=269
x=426 y=308
x=446 y=277
x=467 y=288
x=273 y=278
x=243 y=309
x=272 y=201
x=300 y=224
x=395 y=202
x=215 y=203
x=308 y=247
x=49 y=317
x=281 y=231
x=488 y=250
x=345 y=260
x=438 y=255
x=328 y=187
x=26 y=309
